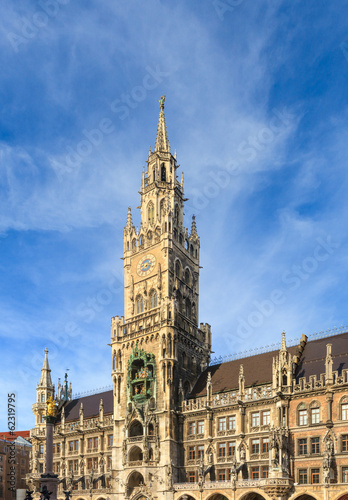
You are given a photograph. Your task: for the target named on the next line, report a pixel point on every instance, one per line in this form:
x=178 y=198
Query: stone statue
x=161 y=101
x=67 y=495
x=29 y=495
x=45 y=494
x=51 y=407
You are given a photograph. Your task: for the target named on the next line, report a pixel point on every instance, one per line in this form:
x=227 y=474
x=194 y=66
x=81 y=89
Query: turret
x=44 y=390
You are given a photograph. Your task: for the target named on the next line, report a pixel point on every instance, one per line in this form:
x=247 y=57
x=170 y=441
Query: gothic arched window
x=177 y=269
x=140 y=304
x=150 y=213
x=187 y=277
x=163 y=173
x=153 y=298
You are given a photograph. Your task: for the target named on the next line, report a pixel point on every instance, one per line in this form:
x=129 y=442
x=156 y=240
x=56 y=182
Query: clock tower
x=158 y=349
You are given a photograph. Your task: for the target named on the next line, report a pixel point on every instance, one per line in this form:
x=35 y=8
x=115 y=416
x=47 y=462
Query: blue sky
x=256 y=107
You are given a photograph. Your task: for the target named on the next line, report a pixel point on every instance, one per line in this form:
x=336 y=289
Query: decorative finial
x=46 y=351
x=283 y=346
x=161 y=101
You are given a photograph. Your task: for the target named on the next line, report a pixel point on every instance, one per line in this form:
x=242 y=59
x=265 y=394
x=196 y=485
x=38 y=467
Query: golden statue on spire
x=51 y=407
x=161 y=101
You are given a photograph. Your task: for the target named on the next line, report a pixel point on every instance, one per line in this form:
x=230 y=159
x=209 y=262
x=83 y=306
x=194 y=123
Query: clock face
x=146 y=265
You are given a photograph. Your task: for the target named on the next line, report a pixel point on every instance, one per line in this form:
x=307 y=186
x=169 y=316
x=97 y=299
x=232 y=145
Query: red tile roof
x=11 y=437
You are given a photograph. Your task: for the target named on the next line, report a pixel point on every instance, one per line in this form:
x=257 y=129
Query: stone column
x=48 y=480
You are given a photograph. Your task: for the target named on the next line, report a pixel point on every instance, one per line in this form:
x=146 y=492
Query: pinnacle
x=162 y=141
x=283 y=346
x=129 y=224
x=193 y=227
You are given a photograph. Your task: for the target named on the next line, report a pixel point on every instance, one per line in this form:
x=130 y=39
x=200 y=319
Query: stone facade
x=272 y=426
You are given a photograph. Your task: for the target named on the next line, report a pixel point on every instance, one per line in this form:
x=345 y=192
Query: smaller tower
x=44 y=390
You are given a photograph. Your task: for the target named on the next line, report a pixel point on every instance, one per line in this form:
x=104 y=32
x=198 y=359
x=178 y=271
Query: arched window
x=188 y=308
x=151 y=430
x=150 y=213
x=134 y=244
x=140 y=304
x=135 y=454
x=344 y=408
x=153 y=298
x=187 y=245
x=175 y=234
x=136 y=429
x=302 y=414
x=314 y=409
x=42 y=398
x=180 y=239
x=163 y=173
x=177 y=269
x=149 y=235
x=187 y=277
x=184 y=360
x=191 y=249
x=141 y=242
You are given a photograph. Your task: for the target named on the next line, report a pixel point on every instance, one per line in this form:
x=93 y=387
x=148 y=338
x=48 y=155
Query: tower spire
x=45 y=379
x=162 y=141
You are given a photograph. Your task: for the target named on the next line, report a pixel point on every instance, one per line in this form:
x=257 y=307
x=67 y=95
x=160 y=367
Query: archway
x=252 y=496
x=305 y=497
x=136 y=429
x=186 y=497
x=135 y=454
x=217 y=496
x=343 y=497
x=135 y=479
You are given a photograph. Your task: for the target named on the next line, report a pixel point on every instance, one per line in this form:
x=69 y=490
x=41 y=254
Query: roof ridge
x=273 y=347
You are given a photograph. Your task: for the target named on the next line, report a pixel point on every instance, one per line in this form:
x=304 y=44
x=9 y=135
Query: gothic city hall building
x=176 y=426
